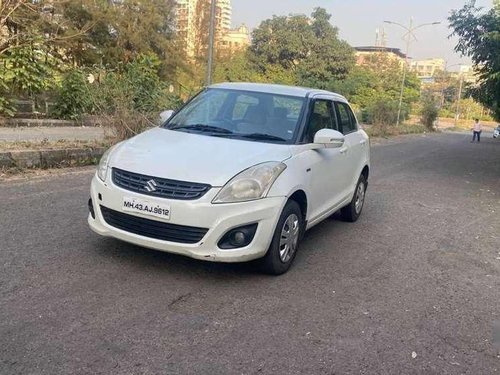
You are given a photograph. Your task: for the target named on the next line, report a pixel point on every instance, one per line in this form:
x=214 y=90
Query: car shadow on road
x=149 y=260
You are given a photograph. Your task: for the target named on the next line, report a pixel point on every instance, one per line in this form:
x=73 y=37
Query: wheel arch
x=366 y=172
x=300 y=197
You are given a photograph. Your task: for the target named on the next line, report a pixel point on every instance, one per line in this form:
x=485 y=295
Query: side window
x=346 y=118
x=321 y=117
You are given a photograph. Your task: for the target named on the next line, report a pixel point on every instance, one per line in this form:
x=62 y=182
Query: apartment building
x=364 y=54
x=428 y=68
x=235 y=39
x=191 y=26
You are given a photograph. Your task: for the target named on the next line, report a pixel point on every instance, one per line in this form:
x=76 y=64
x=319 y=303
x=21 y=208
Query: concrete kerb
x=50 y=158
x=89 y=121
x=31 y=123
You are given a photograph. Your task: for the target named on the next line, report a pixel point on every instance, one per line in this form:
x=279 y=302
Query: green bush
x=25 y=72
x=6 y=106
x=429 y=112
x=382 y=112
x=127 y=100
x=74 y=97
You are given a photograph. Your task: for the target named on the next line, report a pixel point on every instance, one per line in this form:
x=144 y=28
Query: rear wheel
x=285 y=243
x=353 y=210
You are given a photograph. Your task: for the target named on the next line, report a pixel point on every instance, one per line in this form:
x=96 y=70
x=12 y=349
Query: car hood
x=192 y=157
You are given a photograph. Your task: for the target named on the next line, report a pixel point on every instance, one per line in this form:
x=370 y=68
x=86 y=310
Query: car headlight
x=102 y=169
x=253 y=183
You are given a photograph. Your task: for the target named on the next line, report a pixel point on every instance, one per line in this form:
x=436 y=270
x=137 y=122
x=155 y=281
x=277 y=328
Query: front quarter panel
x=295 y=177
x=367 y=149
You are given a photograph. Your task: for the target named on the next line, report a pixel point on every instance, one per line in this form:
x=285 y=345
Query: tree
x=374 y=88
x=235 y=68
x=121 y=31
x=45 y=38
x=26 y=23
x=429 y=111
x=479 y=38
x=307 y=49
x=329 y=58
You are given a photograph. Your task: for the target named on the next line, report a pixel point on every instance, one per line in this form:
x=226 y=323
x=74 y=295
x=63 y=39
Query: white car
x=239 y=173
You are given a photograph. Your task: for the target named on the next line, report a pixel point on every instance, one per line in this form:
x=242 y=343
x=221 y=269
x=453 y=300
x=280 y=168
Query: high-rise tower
x=192 y=23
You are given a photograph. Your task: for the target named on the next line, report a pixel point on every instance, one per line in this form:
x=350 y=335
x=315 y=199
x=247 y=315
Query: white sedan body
x=126 y=204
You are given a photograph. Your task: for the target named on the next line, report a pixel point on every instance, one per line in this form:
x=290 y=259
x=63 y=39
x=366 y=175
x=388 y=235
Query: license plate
x=146 y=207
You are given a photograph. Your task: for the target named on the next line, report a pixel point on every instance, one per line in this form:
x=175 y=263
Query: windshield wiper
x=203 y=128
x=263 y=137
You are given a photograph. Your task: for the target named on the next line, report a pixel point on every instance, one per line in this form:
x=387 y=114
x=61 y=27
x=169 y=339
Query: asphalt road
x=412 y=288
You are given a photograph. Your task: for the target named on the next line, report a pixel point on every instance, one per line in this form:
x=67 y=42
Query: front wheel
x=353 y=210
x=285 y=243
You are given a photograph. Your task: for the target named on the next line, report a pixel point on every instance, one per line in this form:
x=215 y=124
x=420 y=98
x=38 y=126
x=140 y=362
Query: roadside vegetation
x=86 y=59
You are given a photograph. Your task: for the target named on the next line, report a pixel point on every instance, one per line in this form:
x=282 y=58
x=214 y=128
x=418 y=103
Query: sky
x=357 y=21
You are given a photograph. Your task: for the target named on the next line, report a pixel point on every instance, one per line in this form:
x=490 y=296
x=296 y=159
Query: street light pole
x=211 y=42
x=459 y=95
x=408 y=38
x=409 y=35
x=457 y=110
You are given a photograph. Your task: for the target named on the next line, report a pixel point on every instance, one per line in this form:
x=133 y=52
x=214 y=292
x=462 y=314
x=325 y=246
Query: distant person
x=476 y=131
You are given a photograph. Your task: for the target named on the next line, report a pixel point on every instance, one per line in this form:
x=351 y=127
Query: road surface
x=412 y=288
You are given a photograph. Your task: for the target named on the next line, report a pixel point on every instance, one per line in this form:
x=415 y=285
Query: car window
x=288 y=108
x=346 y=118
x=231 y=113
x=243 y=102
x=204 y=109
x=321 y=117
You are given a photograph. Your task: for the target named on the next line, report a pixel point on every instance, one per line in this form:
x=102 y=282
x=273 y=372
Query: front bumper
x=218 y=218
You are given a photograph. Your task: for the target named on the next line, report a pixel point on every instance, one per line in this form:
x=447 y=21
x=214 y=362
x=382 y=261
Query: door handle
x=343 y=150
x=363 y=142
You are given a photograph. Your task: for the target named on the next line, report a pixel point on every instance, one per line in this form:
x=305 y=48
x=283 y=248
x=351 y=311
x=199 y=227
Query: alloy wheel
x=289 y=237
x=360 y=198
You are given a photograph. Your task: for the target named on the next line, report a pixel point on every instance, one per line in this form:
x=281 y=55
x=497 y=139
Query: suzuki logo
x=150 y=186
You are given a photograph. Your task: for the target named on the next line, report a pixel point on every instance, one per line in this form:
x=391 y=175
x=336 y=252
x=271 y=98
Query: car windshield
x=239 y=114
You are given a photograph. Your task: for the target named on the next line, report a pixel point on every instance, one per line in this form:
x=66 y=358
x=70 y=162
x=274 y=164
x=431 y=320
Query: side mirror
x=329 y=138
x=165 y=115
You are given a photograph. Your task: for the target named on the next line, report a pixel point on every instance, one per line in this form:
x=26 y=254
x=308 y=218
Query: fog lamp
x=238 y=237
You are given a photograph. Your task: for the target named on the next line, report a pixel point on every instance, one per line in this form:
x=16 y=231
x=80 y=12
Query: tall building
x=186 y=24
x=224 y=13
x=192 y=23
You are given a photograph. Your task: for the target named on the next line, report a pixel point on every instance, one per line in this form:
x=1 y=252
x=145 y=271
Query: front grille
x=161 y=187
x=152 y=228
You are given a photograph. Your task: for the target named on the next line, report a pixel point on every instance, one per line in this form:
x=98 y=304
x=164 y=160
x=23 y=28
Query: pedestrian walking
x=476 y=131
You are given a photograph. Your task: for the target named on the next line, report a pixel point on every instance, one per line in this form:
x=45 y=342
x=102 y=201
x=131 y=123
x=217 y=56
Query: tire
x=281 y=253
x=352 y=211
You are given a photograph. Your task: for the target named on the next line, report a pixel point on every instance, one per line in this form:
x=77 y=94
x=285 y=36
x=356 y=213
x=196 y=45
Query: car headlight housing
x=253 y=183
x=102 y=169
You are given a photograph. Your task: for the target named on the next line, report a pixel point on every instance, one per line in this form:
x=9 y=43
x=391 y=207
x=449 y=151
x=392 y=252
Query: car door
x=327 y=166
x=355 y=144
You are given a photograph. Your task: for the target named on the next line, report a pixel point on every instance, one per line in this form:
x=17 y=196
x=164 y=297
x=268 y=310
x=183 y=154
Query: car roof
x=276 y=89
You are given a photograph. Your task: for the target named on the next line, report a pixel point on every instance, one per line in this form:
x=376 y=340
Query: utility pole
x=408 y=36
x=459 y=96
x=407 y=51
x=211 y=42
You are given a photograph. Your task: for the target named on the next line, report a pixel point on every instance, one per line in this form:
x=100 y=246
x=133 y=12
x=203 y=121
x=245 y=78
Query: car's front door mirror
x=165 y=115
x=329 y=138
